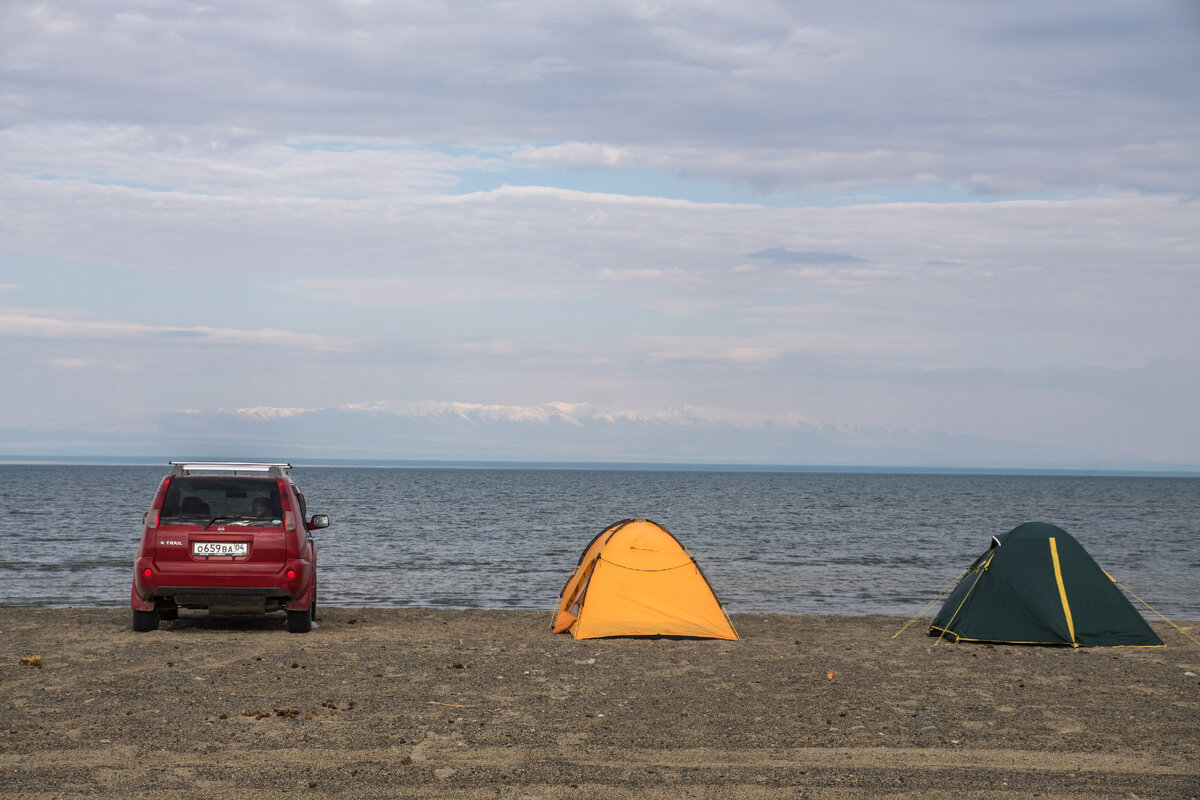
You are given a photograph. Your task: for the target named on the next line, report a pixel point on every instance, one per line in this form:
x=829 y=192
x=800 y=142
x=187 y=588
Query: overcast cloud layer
x=967 y=234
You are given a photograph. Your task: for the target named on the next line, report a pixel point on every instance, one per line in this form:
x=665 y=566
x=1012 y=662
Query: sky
x=930 y=233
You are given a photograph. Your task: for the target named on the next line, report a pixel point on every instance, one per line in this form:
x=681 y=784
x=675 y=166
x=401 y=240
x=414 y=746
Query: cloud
x=214 y=162
x=777 y=97
x=419 y=290
x=782 y=255
x=55 y=325
x=775 y=209
x=73 y=363
x=577 y=155
x=674 y=275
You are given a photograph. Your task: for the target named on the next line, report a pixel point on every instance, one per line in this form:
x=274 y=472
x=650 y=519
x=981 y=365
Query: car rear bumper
x=243 y=590
x=251 y=599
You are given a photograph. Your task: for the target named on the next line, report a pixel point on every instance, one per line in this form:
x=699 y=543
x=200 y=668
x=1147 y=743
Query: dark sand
x=485 y=704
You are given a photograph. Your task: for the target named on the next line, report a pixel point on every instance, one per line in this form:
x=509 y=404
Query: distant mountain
x=551 y=432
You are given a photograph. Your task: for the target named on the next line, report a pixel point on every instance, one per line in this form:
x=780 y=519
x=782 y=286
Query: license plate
x=220 y=548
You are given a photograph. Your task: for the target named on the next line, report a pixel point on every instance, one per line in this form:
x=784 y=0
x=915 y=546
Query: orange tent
x=636 y=579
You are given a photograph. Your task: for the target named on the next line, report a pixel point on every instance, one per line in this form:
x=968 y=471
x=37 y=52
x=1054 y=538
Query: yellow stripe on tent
x=1062 y=590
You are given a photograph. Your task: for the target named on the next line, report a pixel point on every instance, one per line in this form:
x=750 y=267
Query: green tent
x=1037 y=585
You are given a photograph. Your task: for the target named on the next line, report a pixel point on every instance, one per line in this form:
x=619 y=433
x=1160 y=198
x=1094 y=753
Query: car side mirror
x=318 y=521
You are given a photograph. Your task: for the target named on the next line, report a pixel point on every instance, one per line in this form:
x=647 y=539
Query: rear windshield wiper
x=214 y=519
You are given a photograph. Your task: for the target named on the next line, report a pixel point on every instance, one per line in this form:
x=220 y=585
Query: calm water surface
x=791 y=542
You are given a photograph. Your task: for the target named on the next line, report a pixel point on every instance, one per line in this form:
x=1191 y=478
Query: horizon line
x=648 y=466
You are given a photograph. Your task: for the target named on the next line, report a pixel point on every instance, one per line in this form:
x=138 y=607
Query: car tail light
x=291 y=573
x=151 y=518
x=146 y=573
x=289 y=520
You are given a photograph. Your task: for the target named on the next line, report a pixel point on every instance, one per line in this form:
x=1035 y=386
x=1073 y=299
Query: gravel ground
x=485 y=704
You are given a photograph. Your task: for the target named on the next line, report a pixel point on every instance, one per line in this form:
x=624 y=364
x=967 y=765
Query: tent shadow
x=664 y=637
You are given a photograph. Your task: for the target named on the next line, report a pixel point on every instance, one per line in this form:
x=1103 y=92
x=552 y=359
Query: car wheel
x=144 y=621
x=299 y=621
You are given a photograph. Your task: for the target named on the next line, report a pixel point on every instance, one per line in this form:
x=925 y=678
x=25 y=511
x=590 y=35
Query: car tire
x=145 y=621
x=299 y=621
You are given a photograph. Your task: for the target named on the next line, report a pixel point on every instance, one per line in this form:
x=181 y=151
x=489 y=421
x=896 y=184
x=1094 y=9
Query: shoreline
x=921 y=623
x=475 y=703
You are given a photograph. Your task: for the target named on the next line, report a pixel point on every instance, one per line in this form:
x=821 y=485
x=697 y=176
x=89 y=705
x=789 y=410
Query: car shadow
x=241 y=623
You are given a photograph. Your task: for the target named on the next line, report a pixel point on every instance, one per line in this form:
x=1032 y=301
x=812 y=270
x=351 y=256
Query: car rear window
x=230 y=500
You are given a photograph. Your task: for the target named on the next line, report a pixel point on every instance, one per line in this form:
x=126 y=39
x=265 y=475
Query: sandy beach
x=485 y=704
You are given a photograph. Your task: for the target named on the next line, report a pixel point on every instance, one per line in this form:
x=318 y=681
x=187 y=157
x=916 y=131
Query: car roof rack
x=274 y=469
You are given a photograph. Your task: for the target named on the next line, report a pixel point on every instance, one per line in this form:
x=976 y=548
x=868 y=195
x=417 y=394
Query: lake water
x=792 y=542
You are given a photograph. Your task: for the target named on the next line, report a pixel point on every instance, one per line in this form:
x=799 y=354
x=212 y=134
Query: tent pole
x=949 y=587
x=966 y=597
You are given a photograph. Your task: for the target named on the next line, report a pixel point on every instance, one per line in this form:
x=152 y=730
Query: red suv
x=229 y=537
